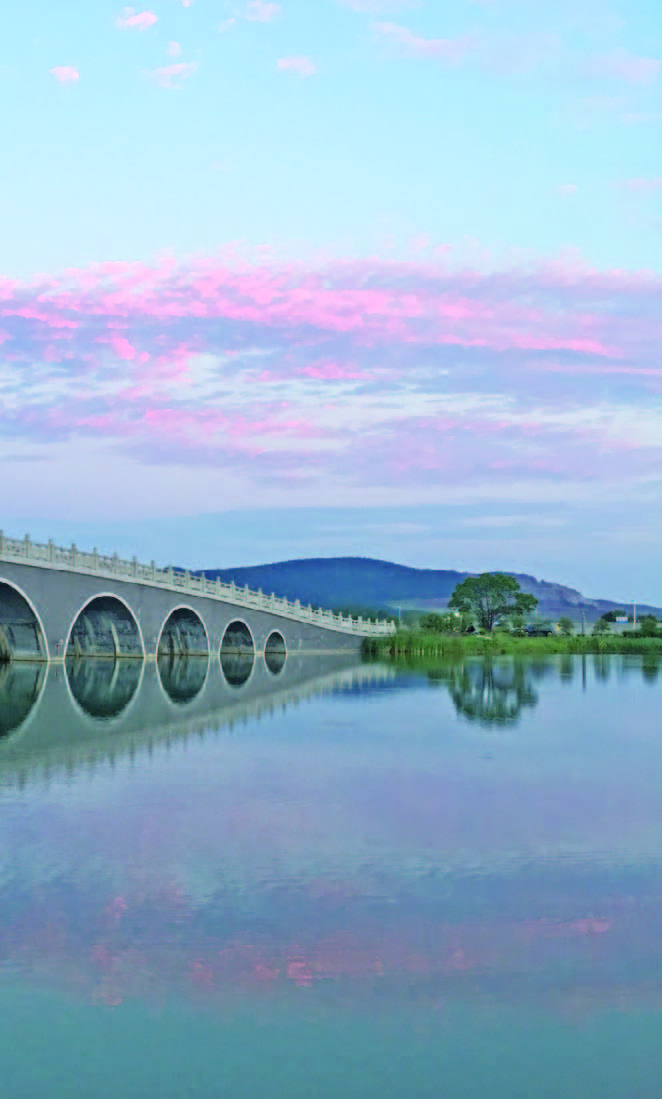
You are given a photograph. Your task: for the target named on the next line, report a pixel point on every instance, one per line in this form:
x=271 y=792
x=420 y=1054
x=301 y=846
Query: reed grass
x=424 y=643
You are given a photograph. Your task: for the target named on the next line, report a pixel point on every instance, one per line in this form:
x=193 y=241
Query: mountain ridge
x=383 y=585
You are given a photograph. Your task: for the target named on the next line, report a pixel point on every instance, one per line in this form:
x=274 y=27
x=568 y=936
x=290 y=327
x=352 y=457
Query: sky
x=367 y=277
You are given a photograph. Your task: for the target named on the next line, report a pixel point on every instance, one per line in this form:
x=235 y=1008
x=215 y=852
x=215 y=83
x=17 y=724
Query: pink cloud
x=449 y=49
x=121 y=346
x=258 y=11
x=302 y=66
x=169 y=76
x=174 y=49
x=130 y=19
x=622 y=65
x=414 y=369
x=65 y=74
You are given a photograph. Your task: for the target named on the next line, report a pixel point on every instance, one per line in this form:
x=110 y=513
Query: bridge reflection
x=21 y=686
x=54 y=717
x=103 y=688
x=64 y=717
x=183 y=677
x=237 y=667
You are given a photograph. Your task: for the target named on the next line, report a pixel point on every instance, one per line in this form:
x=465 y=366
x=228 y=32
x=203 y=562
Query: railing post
x=95 y=559
x=134 y=562
x=218 y=586
x=153 y=568
x=187 y=581
x=170 y=576
x=27 y=545
x=51 y=549
x=73 y=554
x=2 y=541
x=259 y=597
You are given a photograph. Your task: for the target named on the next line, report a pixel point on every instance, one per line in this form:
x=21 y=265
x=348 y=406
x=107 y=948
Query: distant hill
x=365 y=582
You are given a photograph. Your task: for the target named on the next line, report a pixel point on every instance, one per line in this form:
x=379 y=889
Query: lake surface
x=325 y=879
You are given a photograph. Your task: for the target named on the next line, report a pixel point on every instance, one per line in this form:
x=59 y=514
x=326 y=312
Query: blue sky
x=387 y=259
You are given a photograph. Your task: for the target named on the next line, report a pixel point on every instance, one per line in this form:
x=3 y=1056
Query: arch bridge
x=60 y=602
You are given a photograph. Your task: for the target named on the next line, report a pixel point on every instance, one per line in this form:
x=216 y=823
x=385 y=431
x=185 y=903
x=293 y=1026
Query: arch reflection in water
x=237 y=654
x=237 y=667
x=487 y=693
x=182 y=677
x=103 y=688
x=20 y=688
x=275 y=652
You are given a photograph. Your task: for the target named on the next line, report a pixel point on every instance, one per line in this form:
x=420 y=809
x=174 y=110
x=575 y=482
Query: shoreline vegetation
x=422 y=643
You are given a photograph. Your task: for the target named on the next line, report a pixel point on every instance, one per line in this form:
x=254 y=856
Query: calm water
x=325 y=880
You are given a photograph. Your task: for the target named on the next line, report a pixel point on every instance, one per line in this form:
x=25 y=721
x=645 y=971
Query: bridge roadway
x=58 y=719
x=57 y=602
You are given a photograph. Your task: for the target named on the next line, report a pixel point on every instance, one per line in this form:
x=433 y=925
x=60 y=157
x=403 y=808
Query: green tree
x=489 y=596
x=601 y=627
x=648 y=625
x=611 y=616
x=566 y=625
x=434 y=623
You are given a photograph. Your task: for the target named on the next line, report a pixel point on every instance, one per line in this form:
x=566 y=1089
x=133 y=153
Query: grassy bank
x=424 y=643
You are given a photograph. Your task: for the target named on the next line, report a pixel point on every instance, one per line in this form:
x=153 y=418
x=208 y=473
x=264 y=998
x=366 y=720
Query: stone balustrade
x=73 y=559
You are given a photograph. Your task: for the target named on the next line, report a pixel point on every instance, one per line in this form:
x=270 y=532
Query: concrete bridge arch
x=54 y=601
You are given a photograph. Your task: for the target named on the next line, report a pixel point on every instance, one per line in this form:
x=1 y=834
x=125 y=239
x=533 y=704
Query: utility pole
x=583 y=623
x=634 y=623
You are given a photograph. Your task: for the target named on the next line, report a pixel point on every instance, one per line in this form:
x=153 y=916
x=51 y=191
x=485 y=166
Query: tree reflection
x=487 y=693
x=650 y=667
x=566 y=668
